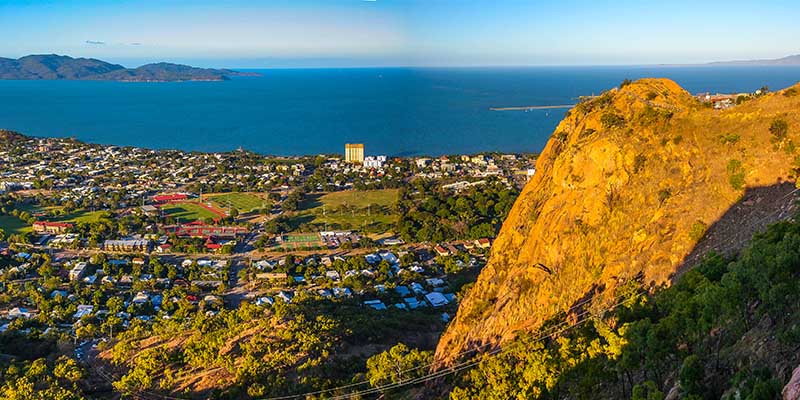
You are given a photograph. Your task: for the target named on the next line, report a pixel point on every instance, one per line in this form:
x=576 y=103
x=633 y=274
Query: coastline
x=277 y=156
x=396 y=112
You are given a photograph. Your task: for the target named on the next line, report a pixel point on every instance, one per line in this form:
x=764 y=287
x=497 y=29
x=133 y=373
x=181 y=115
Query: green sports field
x=347 y=210
x=242 y=201
x=187 y=212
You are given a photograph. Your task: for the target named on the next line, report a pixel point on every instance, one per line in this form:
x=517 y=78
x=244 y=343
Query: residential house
x=20 y=312
x=51 y=227
x=375 y=304
x=78 y=271
x=128 y=245
x=436 y=299
x=483 y=243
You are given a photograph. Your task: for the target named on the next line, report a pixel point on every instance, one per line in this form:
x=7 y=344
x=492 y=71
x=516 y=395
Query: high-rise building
x=354 y=153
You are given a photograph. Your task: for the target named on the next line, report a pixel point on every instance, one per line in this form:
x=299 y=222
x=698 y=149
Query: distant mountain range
x=789 y=60
x=56 y=67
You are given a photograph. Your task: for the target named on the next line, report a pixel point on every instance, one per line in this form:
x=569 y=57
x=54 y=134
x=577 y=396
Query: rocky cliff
x=635 y=184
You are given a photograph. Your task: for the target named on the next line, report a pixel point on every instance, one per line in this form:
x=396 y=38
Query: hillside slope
x=625 y=189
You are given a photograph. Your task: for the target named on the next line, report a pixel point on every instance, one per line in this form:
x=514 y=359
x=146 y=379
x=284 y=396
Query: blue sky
x=306 y=33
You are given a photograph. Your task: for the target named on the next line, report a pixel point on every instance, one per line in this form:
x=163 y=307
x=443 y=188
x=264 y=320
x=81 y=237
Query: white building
x=422 y=162
x=18 y=312
x=77 y=272
x=83 y=310
x=374 y=162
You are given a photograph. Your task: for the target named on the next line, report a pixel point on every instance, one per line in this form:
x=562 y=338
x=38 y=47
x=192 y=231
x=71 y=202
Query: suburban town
x=103 y=238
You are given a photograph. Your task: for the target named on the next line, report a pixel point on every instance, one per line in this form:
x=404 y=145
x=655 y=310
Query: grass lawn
x=30 y=208
x=35 y=208
x=187 y=212
x=79 y=216
x=73 y=217
x=12 y=225
x=348 y=210
x=243 y=201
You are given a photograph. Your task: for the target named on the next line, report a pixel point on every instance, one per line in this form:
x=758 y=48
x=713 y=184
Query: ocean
x=393 y=111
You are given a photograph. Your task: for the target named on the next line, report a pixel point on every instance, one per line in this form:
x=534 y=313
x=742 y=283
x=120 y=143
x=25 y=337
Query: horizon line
x=499 y=66
x=729 y=63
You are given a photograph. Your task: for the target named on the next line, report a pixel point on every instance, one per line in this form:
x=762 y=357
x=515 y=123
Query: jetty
x=529 y=108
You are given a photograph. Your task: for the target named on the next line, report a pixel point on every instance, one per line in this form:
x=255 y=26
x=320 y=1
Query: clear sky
x=310 y=33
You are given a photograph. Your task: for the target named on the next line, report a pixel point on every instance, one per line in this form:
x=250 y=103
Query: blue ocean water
x=394 y=111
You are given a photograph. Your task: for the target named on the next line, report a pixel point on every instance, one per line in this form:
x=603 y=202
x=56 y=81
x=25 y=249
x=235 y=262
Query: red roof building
x=441 y=251
x=205 y=231
x=484 y=243
x=166 y=198
x=51 y=227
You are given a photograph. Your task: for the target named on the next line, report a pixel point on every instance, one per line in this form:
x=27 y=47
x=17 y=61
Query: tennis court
x=302 y=238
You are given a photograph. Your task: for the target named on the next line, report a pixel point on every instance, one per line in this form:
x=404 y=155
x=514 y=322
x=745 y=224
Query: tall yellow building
x=354 y=153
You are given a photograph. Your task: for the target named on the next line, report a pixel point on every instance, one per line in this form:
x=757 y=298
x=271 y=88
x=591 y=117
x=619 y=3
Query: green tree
x=691 y=376
x=397 y=364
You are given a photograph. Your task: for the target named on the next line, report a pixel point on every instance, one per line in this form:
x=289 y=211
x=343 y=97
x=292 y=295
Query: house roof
x=54 y=224
x=436 y=299
x=170 y=197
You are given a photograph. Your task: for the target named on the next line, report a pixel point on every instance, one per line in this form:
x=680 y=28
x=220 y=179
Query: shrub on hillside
x=663 y=195
x=736 y=174
x=587 y=132
x=612 y=120
x=587 y=104
x=697 y=230
x=779 y=129
x=730 y=138
x=638 y=163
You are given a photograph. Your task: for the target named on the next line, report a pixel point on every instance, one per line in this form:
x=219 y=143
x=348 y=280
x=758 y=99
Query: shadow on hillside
x=297 y=220
x=753 y=334
x=757 y=209
x=310 y=201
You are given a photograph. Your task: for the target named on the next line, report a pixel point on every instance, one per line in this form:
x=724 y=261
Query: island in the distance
x=57 y=67
x=793 y=60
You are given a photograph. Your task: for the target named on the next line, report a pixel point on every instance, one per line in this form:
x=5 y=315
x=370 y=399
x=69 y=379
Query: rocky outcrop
x=792 y=389
x=624 y=190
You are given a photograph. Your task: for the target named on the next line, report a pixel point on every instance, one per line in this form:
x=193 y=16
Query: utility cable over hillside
x=550 y=332
x=433 y=374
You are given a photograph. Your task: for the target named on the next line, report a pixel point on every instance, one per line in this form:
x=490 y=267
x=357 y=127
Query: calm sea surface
x=396 y=111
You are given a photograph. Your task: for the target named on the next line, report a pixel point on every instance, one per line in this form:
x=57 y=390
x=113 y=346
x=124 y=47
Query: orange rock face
x=624 y=190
